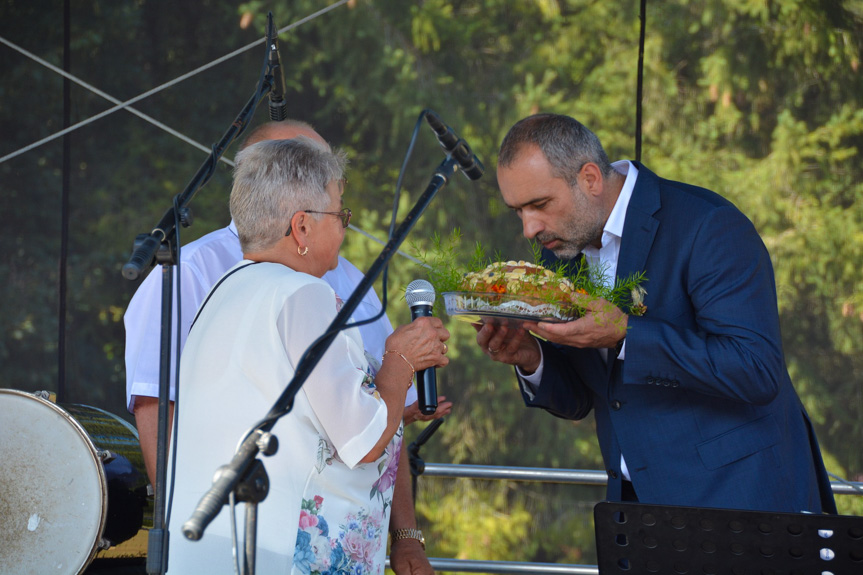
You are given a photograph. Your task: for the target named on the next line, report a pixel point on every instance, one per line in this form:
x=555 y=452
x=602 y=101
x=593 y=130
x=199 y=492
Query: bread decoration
x=511 y=291
x=519 y=278
x=515 y=288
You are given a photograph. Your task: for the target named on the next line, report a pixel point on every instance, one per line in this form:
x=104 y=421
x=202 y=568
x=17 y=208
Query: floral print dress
x=338 y=539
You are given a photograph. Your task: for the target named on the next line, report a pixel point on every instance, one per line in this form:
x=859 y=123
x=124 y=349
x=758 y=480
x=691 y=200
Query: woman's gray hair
x=275 y=179
x=566 y=143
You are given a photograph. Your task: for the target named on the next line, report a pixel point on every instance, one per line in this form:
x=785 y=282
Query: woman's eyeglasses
x=344 y=214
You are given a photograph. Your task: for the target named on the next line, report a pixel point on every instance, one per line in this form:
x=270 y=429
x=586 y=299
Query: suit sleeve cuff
x=530 y=383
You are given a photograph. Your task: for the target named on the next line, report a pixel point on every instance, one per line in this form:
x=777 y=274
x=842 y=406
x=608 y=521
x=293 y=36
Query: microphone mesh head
x=419 y=292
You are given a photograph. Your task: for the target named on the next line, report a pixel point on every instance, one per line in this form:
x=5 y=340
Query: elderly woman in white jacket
x=331 y=482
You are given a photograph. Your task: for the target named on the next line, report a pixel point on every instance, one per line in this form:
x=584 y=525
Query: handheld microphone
x=420 y=297
x=278 y=106
x=458 y=148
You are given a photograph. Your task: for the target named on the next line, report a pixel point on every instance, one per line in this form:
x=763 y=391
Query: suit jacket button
x=612 y=473
x=615 y=405
x=674 y=383
x=650 y=381
x=666 y=383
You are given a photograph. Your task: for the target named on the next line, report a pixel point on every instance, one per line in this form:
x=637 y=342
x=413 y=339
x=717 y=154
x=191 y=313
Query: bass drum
x=72 y=482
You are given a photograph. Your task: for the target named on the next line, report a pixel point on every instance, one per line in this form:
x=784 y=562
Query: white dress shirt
x=604 y=258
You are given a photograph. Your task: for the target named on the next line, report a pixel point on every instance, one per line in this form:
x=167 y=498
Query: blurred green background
x=756 y=99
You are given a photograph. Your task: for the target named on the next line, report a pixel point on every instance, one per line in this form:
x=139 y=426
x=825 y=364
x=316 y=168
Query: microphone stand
x=418 y=466
x=234 y=472
x=160 y=244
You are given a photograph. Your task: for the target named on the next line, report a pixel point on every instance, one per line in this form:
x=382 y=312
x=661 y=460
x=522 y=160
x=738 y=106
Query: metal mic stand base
x=252 y=489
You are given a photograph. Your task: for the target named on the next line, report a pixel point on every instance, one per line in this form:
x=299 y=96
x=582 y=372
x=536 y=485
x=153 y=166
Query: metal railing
x=541 y=475
x=469 y=566
x=569 y=476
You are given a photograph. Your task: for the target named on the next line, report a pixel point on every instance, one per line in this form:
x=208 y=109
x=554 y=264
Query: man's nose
x=531 y=226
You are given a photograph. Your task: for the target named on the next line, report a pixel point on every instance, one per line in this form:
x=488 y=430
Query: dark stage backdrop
x=757 y=100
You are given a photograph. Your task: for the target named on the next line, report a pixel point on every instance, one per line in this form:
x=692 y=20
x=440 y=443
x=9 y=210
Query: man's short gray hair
x=566 y=143
x=275 y=179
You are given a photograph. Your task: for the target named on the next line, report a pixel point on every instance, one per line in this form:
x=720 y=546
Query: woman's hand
x=408 y=557
x=413 y=413
x=412 y=347
x=422 y=342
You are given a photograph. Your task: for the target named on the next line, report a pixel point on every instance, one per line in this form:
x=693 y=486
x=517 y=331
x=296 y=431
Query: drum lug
x=103 y=543
x=106 y=456
x=46 y=395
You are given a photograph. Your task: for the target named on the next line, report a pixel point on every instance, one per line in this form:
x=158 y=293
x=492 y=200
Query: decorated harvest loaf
x=512 y=287
x=511 y=290
x=519 y=278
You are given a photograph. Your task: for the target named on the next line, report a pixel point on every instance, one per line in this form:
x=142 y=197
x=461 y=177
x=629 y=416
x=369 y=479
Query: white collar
x=614 y=225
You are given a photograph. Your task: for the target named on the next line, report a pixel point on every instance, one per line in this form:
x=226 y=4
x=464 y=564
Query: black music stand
x=635 y=538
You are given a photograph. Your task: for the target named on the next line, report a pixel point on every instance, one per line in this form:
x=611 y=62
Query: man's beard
x=577 y=232
x=566 y=249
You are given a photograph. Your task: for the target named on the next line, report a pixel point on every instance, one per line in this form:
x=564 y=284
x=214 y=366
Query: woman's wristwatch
x=408 y=534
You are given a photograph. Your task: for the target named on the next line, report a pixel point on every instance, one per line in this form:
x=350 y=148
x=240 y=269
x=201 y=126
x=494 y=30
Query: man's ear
x=590 y=179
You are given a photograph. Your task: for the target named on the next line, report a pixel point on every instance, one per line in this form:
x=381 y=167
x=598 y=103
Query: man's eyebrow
x=529 y=202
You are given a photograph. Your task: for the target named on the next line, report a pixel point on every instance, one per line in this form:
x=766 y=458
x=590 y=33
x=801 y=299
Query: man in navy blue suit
x=692 y=400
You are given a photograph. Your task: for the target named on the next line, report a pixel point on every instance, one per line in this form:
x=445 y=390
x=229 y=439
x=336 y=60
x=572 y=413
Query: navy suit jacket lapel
x=640 y=225
x=639 y=230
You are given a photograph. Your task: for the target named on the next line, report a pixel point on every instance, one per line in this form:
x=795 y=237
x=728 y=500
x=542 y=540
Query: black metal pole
x=417 y=465
x=640 y=83
x=158 y=537
x=64 y=207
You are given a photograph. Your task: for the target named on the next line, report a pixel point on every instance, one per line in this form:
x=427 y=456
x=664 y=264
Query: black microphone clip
x=278 y=106
x=456 y=147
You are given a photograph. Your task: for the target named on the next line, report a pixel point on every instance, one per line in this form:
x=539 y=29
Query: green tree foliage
x=757 y=100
